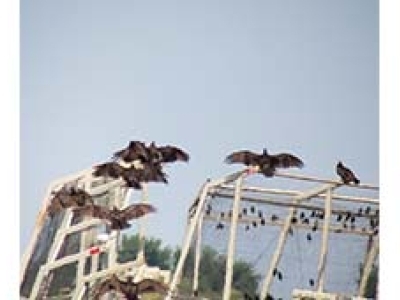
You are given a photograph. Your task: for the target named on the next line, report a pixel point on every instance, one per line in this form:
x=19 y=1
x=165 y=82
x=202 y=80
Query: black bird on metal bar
x=346 y=174
x=68 y=197
x=267 y=163
x=128 y=288
x=118 y=218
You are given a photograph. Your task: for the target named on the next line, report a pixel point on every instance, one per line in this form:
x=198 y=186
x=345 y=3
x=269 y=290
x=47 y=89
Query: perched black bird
x=220 y=226
x=68 y=197
x=280 y=276
x=346 y=174
x=311 y=281
x=262 y=222
x=128 y=288
x=309 y=238
x=266 y=162
x=244 y=211
x=274 y=218
x=252 y=209
x=339 y=217
x=118 y=218
x=302 y=215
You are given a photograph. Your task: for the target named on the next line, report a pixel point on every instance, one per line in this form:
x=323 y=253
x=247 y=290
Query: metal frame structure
x=87 y=228
x=231 y=188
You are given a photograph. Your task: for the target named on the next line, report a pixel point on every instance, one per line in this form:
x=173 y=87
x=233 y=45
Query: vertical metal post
x=188 y=239
x=197 y=253
x=232 y=240
x=324 y=245
x=277 y=254
x=285 y=230
x=140 y=256
x=40 y=219
x=373 y=252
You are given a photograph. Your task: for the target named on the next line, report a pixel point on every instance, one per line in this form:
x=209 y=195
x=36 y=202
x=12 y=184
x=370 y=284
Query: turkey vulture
x=346 y=174
x=267 y=163
x=167 y=154
x=136 y=150
x=128 y=288
x=132 y=176
x=68 y=197
x=116 y=217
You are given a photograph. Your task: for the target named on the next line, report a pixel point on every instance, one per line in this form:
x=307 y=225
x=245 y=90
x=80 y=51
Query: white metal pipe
x=232 y=240
x=373 y=252
x=330 y=181
x=324 y=243
x=279 y=202
x=198 y=253
x=187 y=241
x=141 y=252
x=267 y=191
x=282 y=238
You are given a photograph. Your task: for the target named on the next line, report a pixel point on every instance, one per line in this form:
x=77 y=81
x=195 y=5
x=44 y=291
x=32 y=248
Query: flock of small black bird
x=139 y=163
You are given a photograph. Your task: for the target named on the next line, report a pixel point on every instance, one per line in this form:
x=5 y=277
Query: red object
x=94 y=250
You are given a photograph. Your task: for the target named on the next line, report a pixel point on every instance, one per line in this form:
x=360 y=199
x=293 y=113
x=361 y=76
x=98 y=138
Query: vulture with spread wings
x=68 y=197
x=346 y=174
x=128 y=288
x=132 y=176
x=117 y=218
x=266 y=162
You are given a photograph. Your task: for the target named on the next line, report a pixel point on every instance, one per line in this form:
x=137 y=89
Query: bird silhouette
x=266 y=162
x=346 y=174
x=118 y=218
x=128 y=288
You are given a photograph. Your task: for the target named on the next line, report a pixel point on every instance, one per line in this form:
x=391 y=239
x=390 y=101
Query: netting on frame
x=263 y=212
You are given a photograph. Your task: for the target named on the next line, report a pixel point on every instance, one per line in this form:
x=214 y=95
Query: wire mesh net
x=261 y=219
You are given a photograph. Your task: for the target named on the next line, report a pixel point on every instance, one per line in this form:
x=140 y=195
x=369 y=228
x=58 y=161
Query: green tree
x=212 y=267
x=155 y=253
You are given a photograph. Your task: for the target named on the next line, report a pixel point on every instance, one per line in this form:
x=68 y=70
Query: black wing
x=149 y=285
x=109 y=169
x=135 y=211
x=172 y=154
x=244 y=157
x=285 y=160
x=110 y=284
x=94 y=211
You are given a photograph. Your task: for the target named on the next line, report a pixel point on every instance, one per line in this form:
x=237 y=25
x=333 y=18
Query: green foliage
x=156 y=255
x=212 y=267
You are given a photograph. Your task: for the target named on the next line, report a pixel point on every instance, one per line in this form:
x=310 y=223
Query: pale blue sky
x=209 y=76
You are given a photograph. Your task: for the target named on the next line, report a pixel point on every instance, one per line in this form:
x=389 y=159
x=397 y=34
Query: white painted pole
x=373 y=252
x=324 y=245
x=232 y=240
x=197 y=253
x=282 y=238
x=187 y=241
x=141 y=253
